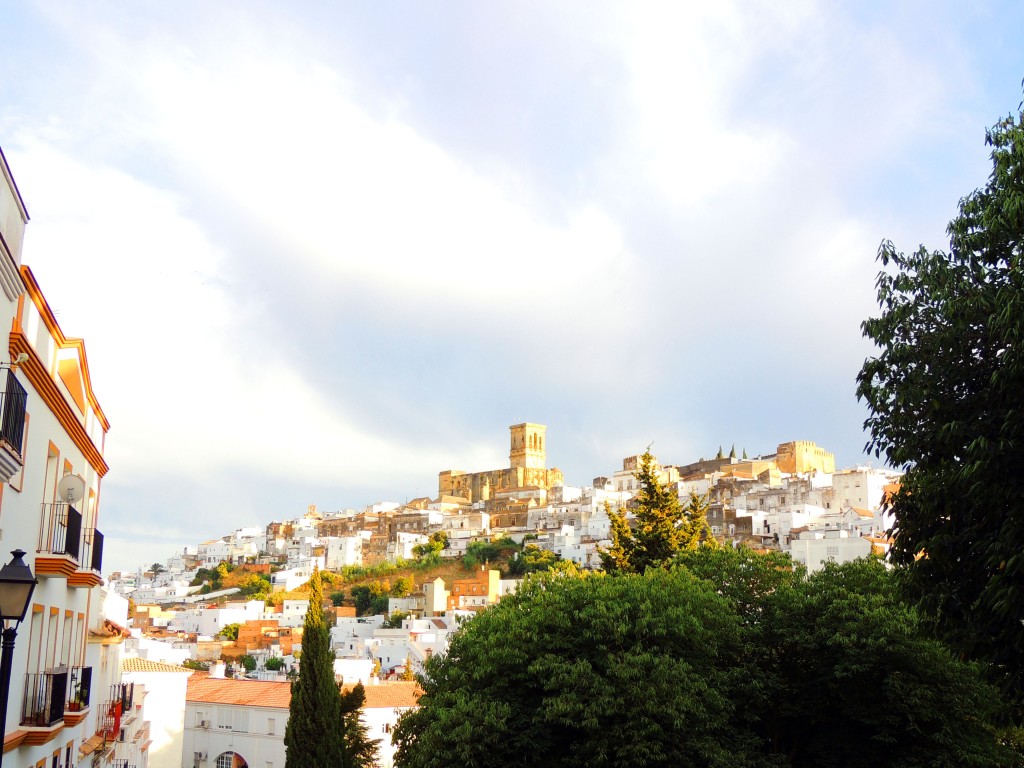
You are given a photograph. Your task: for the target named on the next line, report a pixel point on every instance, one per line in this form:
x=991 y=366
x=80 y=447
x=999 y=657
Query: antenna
x=71 y=488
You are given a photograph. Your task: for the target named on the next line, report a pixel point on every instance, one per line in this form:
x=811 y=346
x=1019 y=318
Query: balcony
x=77 y=706
x=60 y=540
x=12 y=427
x=89 y=573
x=42 y=704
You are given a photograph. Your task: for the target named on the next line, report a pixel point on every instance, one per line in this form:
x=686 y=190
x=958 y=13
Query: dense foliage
x=661 y=527
x=729 y=658
x=945 y=400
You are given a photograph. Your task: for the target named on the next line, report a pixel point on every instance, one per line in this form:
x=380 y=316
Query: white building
x=815 y=548
x=163 y=706
x=242 y=722
x=65 y=662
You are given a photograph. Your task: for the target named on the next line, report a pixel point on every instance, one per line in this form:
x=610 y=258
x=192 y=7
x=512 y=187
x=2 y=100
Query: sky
x=321 y=251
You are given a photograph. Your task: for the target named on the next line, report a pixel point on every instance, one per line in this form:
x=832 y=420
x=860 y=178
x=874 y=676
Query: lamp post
x=16 y=586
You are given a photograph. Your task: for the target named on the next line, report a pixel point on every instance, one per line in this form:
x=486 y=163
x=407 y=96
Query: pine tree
x=313 y=736
x=661 y=529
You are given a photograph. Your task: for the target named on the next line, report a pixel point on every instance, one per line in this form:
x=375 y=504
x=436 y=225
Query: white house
x=163 y=706
x=242 y=722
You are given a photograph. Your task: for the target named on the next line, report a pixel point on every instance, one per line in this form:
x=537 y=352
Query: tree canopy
x=945 y=402
x=662 y=527
x=729 y=658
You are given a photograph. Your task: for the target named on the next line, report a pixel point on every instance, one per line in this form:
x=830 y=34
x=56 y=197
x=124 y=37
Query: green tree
x=600 y=671
x=370 y=599
x=844 y=672
x=944 y=396
x=531 y=560
x=274 y=663
x=312 y=736
x=360 y=749
x=230 y=631
x=731 y=658
x=248 y=662
x=661 y=528
x=435 y=544
x=338 y=598
x=402 y=587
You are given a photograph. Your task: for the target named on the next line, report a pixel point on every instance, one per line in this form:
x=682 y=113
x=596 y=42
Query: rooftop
x=260 y=693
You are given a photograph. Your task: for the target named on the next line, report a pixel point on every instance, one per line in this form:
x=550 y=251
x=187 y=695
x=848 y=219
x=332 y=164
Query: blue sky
x=320 y=252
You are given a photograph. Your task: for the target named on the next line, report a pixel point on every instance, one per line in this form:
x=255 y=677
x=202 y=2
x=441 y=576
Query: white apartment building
x=65 y=662
x=241 y=722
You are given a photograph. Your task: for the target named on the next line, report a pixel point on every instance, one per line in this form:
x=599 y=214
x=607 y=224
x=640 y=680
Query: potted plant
x=80 y=700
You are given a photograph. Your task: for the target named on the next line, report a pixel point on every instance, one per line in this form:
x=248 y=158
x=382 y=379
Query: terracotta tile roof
x=135 y=664
x=258 y=693
x=863 y=512
x=397 y=694
x=251 y=693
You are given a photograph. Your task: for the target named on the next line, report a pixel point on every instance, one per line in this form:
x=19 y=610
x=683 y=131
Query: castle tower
x=528 y=450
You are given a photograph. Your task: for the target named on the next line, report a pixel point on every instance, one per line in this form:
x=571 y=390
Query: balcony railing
x=92 y=550
x=110 y=723
x=60 y=530
x=124 y=693
x=43 y=700
x=81 y=688
x=12 y=421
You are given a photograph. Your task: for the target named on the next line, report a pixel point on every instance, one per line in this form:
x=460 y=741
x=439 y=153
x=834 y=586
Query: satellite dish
x=71 y=488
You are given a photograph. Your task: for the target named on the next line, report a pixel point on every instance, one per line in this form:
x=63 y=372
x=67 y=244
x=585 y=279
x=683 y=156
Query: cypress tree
x=313 y=736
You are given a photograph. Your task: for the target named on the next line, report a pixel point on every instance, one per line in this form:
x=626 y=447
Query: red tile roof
x=135 y=664
x=259 y=693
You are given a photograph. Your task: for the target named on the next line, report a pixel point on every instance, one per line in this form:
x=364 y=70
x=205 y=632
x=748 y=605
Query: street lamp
x=16 y=586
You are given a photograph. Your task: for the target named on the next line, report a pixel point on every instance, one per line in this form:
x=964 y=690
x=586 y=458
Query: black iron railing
x=42 y=704
x=60 y=530
x=92 y=550
x=123 y=693
x=81 y=687
x=12 y=422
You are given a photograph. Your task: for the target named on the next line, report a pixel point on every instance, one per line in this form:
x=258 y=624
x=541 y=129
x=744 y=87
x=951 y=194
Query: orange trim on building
x=62 y=341
x=38 y=375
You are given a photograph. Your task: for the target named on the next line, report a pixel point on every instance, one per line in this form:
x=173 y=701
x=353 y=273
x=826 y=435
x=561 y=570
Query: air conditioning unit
x=200 y=755
x=204 y=723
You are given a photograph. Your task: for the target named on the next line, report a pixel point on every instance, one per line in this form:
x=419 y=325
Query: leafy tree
x=274 y=663
x=200 y=666
x=338 y=598
x=249 y=662
x=731 y=659
x=436 y=543
x=255 y=586
x=370 y=599
x=846 y=674
x=531 y=560
x=944 y=395
x=360 y=749
x=402 y=587
x=661 y=527
x=596 y=671
x=312 y=736
x=230 y=631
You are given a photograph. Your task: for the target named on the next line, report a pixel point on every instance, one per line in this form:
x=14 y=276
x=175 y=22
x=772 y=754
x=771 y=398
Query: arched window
x=230 y=760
